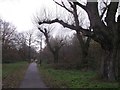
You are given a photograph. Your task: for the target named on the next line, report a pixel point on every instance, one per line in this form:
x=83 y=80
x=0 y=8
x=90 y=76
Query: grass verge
x=72 y=79
x=12 y=74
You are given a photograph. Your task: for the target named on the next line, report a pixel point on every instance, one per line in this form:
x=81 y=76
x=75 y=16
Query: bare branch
x=104 y=9
x=59 y=21
x=103 y=13
x=63 y=5
x=85 y=31
x=82 y=6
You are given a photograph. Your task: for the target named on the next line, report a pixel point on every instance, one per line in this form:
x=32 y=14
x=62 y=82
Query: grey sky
x=20 y=12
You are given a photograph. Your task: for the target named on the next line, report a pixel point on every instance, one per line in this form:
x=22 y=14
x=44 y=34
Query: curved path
x=32 y=78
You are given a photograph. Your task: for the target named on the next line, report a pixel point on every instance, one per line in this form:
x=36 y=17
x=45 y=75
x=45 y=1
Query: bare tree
x=30 y=41
x=105 y=32
x=21 y=40
x=7 y=32
x=84 y=44
x=13 y=43
x=54 y=45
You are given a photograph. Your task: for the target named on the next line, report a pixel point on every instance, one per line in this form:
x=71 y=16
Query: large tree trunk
x=108 y=66
x=109 y=37
x=111 y=69
x=104 y=65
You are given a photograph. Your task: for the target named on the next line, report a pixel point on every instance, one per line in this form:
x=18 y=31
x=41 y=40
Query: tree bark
x=106 y=36
x=118 y=53
x=104 y=69
x=108 y=66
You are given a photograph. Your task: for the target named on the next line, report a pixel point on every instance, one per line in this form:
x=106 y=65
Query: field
x=73 y=79
x=13 y=73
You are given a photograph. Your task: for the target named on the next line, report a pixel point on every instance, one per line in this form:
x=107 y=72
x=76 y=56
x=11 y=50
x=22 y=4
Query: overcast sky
x=20 y=12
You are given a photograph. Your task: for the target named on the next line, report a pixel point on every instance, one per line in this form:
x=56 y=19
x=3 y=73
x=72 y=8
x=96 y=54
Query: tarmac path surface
x=32 y=78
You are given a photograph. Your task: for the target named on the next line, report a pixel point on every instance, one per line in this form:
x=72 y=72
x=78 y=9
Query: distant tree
x=70 y=52
x=22 y=45
x=30 y=40
x=8 y=33
x=40 y=37
x=14 y=45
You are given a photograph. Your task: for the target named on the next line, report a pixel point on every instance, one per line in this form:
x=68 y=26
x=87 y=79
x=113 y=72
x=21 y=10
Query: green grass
x=13 y=73
x=73 y=79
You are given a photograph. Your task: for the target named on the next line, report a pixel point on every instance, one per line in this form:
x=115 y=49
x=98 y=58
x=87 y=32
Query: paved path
x=32 y=78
